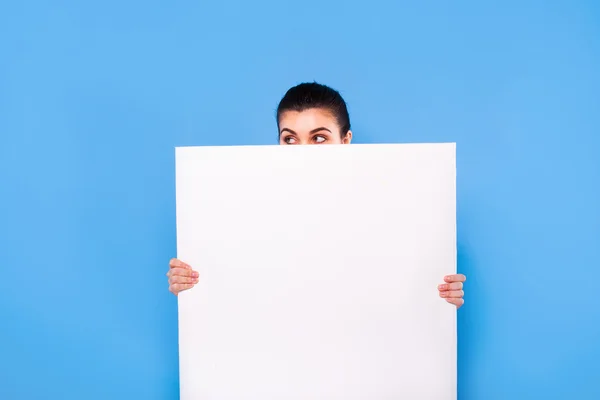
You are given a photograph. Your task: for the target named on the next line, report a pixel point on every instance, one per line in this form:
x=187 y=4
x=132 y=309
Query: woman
x=311 y=113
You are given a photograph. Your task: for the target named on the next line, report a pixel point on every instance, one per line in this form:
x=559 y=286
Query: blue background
x=95 y=96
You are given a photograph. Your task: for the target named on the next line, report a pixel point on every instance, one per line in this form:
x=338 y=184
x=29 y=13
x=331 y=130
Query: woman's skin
x=312 y=126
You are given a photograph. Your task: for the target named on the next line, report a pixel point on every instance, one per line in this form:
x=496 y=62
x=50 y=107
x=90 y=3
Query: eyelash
x=287 y=139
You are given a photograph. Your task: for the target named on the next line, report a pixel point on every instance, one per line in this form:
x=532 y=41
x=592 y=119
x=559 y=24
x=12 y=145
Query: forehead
x=307 y=120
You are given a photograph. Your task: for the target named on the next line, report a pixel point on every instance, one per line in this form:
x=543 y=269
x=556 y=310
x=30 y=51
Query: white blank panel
x=319 y=268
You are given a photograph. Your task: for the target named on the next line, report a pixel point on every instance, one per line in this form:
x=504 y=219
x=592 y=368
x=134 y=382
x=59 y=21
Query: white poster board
x=319 y=268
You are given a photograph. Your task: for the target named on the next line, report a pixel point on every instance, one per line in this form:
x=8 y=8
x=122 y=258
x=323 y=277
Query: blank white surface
x=319 y=268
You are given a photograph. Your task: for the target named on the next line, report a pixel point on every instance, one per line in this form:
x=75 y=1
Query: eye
x=289 y=140
x=319 y=139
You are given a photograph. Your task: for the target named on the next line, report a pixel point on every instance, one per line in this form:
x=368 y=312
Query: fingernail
x=442 y=287
x=195 y=280
x=195 y=274
x=442 y=294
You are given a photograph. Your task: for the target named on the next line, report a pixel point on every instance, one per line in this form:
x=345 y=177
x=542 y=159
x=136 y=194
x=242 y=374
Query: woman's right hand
x=181 y=276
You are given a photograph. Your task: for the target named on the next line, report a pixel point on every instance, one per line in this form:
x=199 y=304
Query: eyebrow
x=321 y=128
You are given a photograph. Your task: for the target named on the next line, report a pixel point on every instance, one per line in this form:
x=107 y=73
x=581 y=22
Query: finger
x=453 y=294
x=182 y=279
x=183 y=272
x=451 y=286
x=175 y=263
x=180 y=287
x=455 y=278
x=457 y=302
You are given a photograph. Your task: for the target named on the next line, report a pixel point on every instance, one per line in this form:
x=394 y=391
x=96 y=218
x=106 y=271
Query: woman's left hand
x=452 y=290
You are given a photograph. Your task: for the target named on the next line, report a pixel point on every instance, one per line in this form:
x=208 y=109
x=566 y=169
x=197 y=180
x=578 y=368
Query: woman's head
x=311 y=113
